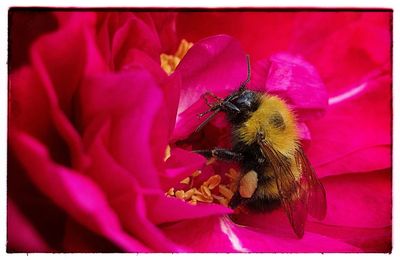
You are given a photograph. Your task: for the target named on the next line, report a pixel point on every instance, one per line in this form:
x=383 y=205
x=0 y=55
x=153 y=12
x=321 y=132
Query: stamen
x=207 y=192
x=180 y=194
x=196 y=173
x=170 y=192
x=225 y=191
x=213 y=181
x=170 y=62
x=185 y=181
x=211 y=161
x=167 y=153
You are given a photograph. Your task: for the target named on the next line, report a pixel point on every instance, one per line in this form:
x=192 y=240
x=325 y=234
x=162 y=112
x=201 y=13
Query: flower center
x=210 y=191
x=170 y=62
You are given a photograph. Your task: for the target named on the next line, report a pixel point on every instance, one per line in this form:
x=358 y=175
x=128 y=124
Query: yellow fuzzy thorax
x=278 y=123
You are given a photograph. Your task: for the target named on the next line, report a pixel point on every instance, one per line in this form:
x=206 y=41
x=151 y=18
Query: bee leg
x=236 y=200
x=247 y=187
x=221 y=154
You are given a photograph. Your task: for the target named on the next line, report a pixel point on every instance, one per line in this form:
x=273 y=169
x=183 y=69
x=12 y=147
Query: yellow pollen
x=211 y=161
x=196 y=173
x=170 y=62
x=207 y=192
x=167 y=153
x=185 y=181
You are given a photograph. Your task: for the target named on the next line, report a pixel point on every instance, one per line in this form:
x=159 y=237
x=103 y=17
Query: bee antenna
x=207 y=120
x=244 y=83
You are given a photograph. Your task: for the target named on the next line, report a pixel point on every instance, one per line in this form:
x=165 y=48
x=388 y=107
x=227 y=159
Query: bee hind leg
x=246 y=189
x=221 y=154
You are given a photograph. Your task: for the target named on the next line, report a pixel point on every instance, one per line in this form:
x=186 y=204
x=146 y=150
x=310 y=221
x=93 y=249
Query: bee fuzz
x=248 y=184
x=185 y=181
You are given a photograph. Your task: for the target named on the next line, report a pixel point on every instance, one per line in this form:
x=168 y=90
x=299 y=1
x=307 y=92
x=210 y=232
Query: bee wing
x=300 y=196
x=316 y=197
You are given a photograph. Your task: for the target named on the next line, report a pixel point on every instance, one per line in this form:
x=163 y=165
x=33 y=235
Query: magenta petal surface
x=215 y=234
x=350 y=196
x=125 y=195
x=180 y=165
x=295 y=80
x=357 y=120
x=214 y=64
x=21 y=235
x=136 y=139
x=73 y=192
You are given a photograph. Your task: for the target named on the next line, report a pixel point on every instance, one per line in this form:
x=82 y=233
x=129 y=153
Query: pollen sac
x=248 y=184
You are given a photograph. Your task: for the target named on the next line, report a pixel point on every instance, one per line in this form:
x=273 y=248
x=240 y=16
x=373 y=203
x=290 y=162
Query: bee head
x=237 y=105
x=240 y=105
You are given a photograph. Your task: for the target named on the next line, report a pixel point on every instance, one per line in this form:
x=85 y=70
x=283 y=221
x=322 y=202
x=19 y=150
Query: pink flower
x=350 y=145
x=92 y=113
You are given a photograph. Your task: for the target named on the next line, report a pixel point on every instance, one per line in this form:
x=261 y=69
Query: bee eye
x=245 y=100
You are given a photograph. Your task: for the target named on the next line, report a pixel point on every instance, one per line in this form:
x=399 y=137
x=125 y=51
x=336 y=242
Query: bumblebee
x=266 y=145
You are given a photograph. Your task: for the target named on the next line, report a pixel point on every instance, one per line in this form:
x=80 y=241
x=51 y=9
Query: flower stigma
x=170 y=62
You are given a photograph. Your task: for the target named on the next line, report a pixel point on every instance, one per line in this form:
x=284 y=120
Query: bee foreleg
x=236 y=200
x=221 y=154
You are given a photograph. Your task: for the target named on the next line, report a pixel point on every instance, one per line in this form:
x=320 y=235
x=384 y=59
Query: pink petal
x=60 y=60
x=359 y=161
x=125 y=194
x=222 y=235
x=260 y=33
x=35 y=109
x=165 y=23
x=353 y=45
x=73 y=192
x=134 y=34
x=214 y=64
x=295 y=80
x=351 y=125
x=180 y=165
x=78 y=239
x=137 y=139
x=203 y=235
x=371 y=240
x=359 y=200
x=169 y=210
x=21 y=235
x=353 y=200
x=25 y=27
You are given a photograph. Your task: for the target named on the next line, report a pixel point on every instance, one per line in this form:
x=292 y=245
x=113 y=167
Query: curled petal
x=215 y=234
x=350 y=125
x=21 y=235
x=73 y=192
x=214 y=64
x=136 y=140
x=295 y=80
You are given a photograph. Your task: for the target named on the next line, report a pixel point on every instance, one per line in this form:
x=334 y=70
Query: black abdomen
x=253 y=159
